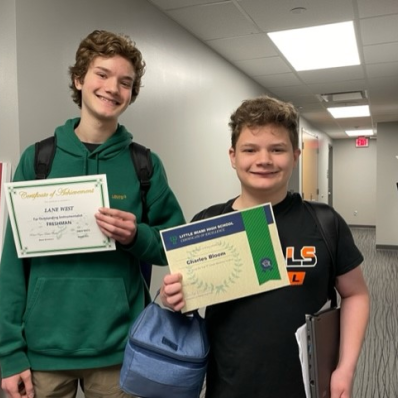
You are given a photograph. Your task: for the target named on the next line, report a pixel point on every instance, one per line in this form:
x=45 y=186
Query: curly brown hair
x=261 y=111
x=101 y=43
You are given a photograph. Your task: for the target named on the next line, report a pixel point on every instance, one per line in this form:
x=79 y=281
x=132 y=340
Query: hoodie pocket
x=83 y=316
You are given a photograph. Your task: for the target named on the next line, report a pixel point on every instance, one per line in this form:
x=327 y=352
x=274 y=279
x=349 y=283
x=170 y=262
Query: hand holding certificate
x=56 y=216
x=226 y=257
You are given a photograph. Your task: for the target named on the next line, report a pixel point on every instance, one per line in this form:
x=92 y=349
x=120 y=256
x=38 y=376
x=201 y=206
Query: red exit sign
x=362 y=142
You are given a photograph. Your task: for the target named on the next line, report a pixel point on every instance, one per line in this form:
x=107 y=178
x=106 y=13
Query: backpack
x=325 y=221
x=166 y=354
x=141 y=158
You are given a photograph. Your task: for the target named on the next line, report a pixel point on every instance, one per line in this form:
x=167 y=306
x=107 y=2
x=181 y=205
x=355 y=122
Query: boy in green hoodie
x=64 y=319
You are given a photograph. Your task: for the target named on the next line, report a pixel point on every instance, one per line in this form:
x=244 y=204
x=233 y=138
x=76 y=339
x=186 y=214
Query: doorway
x=309 y=156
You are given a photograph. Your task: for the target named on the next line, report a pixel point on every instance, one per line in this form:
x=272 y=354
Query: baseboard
x=361 y=226
x=386 y=247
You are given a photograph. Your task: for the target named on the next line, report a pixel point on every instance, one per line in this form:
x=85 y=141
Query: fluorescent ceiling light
x=349 y=111
x=319 y=47
x=359 y=133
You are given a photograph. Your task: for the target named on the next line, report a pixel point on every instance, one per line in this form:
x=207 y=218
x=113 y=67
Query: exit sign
x=362 y=142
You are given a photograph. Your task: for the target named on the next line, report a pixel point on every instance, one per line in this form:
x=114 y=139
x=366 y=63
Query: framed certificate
x=226 y=257
x=57 y=216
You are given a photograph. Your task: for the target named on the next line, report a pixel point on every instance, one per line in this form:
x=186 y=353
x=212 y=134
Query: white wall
x=387 y=178
x=354 y=181
x=9 y=130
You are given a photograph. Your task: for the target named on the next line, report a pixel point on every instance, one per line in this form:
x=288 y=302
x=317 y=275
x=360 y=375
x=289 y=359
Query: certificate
x=226 y=257
x=57 y=216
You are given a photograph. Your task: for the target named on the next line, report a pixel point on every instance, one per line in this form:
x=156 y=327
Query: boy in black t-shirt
x=253 y=348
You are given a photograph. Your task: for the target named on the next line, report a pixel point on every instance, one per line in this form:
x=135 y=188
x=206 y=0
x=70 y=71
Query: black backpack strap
x=141 y=157
x=326 y=222
x=44 y=156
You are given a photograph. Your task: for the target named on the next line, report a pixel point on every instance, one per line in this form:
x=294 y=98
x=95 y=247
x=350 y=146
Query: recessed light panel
x=319 y=47
x=359 y=133
x=349 y=111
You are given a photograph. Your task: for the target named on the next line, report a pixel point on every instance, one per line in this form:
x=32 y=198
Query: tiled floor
x=377 y=370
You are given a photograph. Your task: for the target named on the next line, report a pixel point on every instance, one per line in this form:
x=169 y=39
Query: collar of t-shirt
x=91 y=147
x=278 y=208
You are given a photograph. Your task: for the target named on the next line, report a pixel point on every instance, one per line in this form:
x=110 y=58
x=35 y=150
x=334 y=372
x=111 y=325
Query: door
x=309 y=158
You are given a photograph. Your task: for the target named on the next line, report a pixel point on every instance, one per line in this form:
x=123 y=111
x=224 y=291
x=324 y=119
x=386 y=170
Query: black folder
x=323 y=335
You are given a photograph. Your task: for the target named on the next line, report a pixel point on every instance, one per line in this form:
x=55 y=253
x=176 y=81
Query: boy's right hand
x=171 y=292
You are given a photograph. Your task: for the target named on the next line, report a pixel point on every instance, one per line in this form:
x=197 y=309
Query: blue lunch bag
x=166 y=354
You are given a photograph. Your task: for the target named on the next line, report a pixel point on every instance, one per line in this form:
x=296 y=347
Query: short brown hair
x=262 y=111
x=101 y=43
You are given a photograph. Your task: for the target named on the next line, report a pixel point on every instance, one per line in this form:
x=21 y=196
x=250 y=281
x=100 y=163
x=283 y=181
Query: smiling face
x=106 y=88
x=264 y=159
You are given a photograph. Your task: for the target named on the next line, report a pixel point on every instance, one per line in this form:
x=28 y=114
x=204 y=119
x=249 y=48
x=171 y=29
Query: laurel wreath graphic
x=230 y=279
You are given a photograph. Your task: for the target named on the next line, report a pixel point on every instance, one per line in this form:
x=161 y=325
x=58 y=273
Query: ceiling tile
x=381 y=70
x=314 y=107
x=332 y=74
x=381 y=53
x=171 y=4
x=275 y=15
x=278 y=80
x=379 y=30
x=214 y=21
x=338 y=87
x=291 y=91
x=357 y=122
x=371 y=8
x=263 y=66
x=304 y=100
x=244 y=47
x=385 y=118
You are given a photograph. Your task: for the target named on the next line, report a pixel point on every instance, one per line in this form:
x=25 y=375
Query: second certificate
x=227 y=257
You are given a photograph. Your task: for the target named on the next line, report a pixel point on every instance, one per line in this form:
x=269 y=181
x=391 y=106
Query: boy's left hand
x=117 y=224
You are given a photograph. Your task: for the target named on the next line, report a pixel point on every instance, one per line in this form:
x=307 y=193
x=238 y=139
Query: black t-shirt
x=254 y=352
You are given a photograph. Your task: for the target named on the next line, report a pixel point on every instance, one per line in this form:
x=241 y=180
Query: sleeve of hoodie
x=13 y=359
x=163 y=211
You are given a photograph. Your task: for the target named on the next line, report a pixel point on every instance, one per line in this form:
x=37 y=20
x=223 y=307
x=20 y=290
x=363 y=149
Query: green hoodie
x=74 y=311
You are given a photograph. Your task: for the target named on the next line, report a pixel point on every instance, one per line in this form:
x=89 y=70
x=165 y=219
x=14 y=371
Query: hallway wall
x=387 y=180
x=354 y=181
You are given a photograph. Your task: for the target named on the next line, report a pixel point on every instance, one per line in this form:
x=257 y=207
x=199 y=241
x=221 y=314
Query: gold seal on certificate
x=226 y=257
x=57 y=216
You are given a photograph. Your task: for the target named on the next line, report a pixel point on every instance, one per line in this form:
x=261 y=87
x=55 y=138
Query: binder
x=323 y=336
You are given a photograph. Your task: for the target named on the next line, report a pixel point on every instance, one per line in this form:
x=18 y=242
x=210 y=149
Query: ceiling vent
x=348 y=96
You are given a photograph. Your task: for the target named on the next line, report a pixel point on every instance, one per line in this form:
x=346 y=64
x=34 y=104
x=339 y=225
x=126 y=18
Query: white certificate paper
x=57 y=216
x=226 y=257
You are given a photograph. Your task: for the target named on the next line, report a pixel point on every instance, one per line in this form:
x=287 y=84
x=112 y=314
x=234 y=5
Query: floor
x=377 y=370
